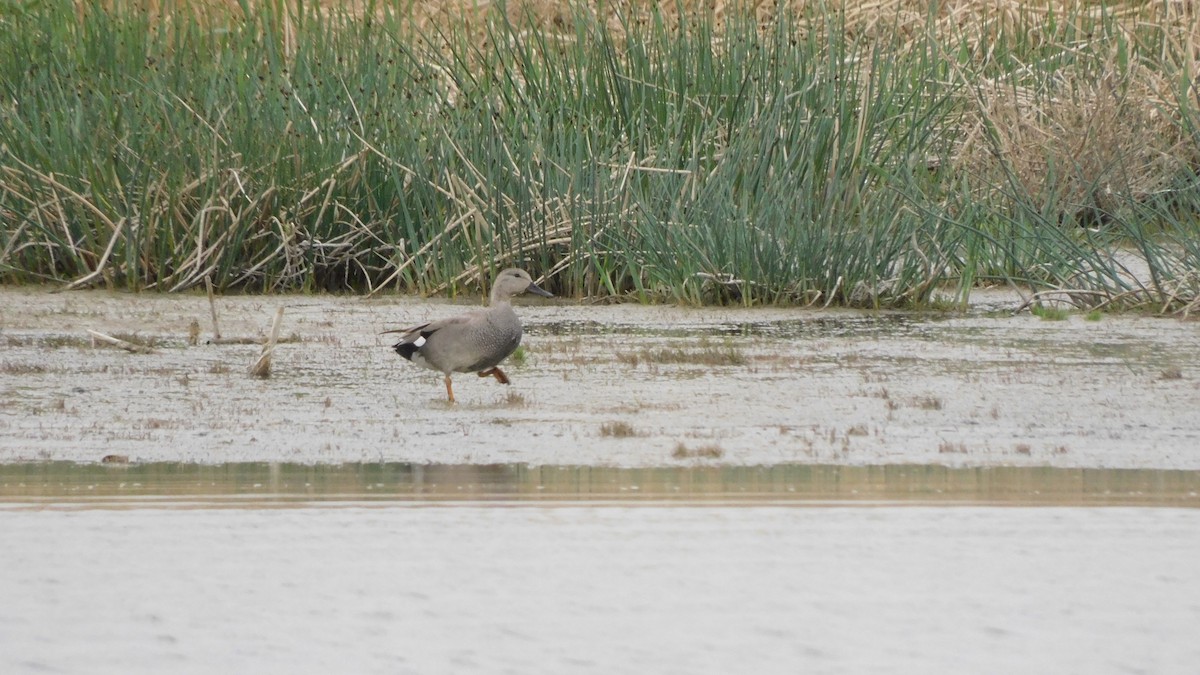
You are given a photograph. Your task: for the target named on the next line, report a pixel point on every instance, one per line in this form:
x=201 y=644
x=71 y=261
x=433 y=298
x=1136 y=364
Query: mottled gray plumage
x=475 y=342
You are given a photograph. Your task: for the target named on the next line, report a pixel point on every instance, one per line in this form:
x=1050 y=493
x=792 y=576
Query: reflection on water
x=66 y=482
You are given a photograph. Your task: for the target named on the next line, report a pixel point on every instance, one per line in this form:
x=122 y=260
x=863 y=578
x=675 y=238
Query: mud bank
x=620 y=386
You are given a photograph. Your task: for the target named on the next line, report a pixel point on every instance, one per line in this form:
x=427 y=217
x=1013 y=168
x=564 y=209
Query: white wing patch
x=419 y=342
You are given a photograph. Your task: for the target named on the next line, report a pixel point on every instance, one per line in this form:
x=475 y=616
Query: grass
x=16 y=368
x=928 y=403
x=48 y=341
x=1050 y=313
x=141 y=341
x=704 y=354
x=514 y=399
x=519 y=356
x=805 y=158
x=703 y=452
x=617 y=430
x=949 y=447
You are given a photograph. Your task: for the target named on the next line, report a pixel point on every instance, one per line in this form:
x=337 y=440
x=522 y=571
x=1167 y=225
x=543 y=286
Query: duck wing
x=415 y=337
x=412 y=333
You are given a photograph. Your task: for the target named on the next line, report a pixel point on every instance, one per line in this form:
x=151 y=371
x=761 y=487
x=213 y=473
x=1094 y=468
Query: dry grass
x=47 y=341
x=514 y=399
x=947 y=447
x=617 y=430
x=928 y=403
x=705 y=355
x=17 y=368
x=1072 y=135
x=979 y=20
x=261 y=368
x=703 y=452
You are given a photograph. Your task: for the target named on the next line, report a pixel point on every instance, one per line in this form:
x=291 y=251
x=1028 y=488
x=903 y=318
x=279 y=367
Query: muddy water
x=163 y=484
x=618 y=386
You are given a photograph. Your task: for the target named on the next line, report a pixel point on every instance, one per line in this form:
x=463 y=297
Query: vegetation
x=1049 y=313
x=703 y=452
x=703 y=354
x=810 y=156
x=617 y=429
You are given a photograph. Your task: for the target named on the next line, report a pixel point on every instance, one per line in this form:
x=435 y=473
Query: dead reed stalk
x=123 y=344
x=212 y=305
x=262 y=367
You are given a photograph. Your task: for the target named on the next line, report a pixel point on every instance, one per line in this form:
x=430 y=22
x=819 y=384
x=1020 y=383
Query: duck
x=475 y=342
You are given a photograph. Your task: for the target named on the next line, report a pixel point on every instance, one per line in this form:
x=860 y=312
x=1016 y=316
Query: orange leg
x=449 y=389
x=496 y=373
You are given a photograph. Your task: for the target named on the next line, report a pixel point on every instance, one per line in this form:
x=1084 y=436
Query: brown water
x=799 y=484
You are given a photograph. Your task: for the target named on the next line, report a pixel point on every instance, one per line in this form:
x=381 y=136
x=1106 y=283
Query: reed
x=811 y=157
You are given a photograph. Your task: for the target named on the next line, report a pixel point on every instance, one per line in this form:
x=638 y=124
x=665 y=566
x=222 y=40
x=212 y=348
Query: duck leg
x=449 y=389
x=496 y=373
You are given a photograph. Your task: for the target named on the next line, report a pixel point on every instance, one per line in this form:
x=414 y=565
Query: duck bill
x=536 y=290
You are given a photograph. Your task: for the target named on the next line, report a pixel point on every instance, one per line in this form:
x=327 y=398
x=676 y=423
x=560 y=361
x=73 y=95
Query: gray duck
x=475 y=342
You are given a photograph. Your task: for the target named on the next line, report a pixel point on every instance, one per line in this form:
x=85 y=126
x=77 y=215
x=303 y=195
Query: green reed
x=286 y=148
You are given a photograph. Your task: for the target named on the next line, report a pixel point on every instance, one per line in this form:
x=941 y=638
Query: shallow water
x=978 y=493
x=735 y=387
x=417 y=587
x=54 y=484
x=427 y=568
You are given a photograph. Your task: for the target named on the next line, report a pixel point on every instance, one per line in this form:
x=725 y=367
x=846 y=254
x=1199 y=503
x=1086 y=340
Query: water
x=404 y=586
x=410 y=568
x=808 y=387
x=67 y=483
x=339 y=517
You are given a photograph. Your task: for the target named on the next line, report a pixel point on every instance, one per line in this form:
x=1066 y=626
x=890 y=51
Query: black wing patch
x=412 y=342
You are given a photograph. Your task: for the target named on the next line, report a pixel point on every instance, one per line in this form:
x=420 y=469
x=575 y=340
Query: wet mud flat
x=599 y=385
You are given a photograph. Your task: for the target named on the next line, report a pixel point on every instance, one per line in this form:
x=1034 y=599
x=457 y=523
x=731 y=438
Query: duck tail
x=411 y=341
x=406 y=349
x=411 y=344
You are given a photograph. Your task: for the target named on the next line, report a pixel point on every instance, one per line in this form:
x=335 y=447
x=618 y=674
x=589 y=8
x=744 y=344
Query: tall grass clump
x=811 y=156
x=156 y=153
x=1081 y=155
x=668 y=161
